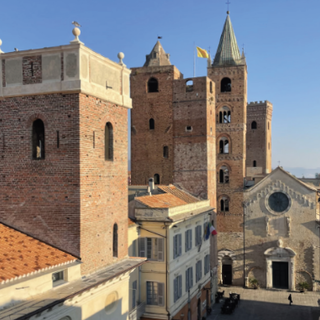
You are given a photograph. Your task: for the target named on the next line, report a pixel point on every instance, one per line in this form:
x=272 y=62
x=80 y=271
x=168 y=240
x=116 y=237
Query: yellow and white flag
x=202 y=53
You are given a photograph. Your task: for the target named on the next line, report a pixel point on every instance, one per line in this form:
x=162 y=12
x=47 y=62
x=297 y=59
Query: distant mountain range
x=300 y=172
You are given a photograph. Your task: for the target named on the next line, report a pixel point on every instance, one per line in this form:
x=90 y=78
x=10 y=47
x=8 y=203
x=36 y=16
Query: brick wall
x=31 y=70
x=73 y=192
x=147 y=145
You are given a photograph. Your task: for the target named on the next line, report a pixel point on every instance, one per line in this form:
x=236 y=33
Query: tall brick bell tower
x=229 y=72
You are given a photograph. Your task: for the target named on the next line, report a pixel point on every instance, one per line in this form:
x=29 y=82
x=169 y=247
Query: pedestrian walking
x=290 y=299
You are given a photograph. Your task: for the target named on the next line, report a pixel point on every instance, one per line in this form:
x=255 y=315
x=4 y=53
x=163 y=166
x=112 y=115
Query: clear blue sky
x=281 y=40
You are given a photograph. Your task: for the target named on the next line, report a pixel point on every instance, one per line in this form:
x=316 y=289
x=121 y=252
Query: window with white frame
x=189 y=278
x=198 y=270
x=206 y=264
x=198 y=239
x=155 y=292
x=177 y=287
x=177 y=251
x=151 y=248
x=188 y=240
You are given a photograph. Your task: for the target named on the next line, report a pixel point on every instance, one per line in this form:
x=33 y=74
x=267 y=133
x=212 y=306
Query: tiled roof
x=178 y=193
x=21 y=254
x=165 y=200
x=228 y=50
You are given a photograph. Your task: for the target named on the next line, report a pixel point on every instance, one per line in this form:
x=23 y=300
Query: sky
x=280 y=39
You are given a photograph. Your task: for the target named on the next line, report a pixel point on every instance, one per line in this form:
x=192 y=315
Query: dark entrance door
x=280 y=275
x=227 y=273
x=199 y=309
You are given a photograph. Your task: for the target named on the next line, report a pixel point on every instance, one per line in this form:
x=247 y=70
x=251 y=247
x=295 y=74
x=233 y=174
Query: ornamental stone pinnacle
x=76 y=32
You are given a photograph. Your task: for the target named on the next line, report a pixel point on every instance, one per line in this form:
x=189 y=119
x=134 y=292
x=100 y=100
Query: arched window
x=225 y=85
x=210 y=86
x=38 y=150
x=224 y=175
x=115 y=240
x=151 y=124
x=189 y=85
x=156 y=179
x=254 y=163
x=165 y=152
x=224 y=204
x=223 y=145
x=225 y=115
x=153 y=85
x=253 y=125
x=108 y=142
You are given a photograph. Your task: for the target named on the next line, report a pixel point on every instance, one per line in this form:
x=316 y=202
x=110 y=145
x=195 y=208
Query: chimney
x=151 y=184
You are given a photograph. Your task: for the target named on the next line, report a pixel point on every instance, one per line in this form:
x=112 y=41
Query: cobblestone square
x=267 y=304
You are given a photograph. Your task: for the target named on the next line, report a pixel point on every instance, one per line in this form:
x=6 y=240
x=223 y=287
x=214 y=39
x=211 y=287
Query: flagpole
x=194 y=59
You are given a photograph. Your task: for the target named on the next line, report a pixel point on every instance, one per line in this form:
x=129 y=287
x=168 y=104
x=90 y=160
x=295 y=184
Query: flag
x=202 y=53
x=213 y=231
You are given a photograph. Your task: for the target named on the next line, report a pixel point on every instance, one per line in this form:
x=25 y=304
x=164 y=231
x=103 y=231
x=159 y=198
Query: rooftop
x=22 y=255
x=157 y=57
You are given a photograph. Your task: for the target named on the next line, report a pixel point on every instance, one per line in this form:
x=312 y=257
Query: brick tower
x=63 y=155
x=152 y=118
x=259 y=119
x=229 y=72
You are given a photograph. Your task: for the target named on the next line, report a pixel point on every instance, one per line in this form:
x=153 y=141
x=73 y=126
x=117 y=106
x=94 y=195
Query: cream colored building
x=281 y=235
x=171 y=232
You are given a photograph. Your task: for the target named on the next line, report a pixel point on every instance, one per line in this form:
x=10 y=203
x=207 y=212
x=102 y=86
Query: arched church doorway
x=227 y=270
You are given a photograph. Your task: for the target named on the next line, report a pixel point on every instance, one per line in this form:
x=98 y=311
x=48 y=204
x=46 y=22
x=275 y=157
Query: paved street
x=267 y=304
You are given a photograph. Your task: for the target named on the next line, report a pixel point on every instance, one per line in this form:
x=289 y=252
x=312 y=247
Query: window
x=224 y=175
x=224 y=204
x=177 y=251
x=225 y=85
x=198 y=270
x=153 y=85
x=151 y=248
x=198 y=239
x=206 y=232
x=189 y=85
x=225 y=115
x=189 y=278
x=210 y=86
x=253 y=125
x=177 y=288
x=206 y=264
x=38 y=140
x=108 y=142
x=156 y=179
x=155 y=293
x=151 y=124
x=165 y=152
x=115 y=240
x=57 y=278
x=254 y=163
x=188 y=240
x=134 y=294
x=224 y=145
x=188 y=128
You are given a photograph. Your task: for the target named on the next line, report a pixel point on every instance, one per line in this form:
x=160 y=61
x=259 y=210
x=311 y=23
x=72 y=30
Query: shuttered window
x=151 y=248
x=198 y=238
x=177 y=249
x=188 y=240
x=155 y=292
x=177 y=287
x=206 y=264
x=189 y=278
x=134 y=294
x=198 y=271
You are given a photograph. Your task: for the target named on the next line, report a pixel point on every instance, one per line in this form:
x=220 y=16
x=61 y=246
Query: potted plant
x=254 y=283
x=303 y=286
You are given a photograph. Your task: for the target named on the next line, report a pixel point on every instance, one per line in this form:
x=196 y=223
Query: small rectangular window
x=165 y=152
x=58 y=140
x=57 y=278
x=177 y=251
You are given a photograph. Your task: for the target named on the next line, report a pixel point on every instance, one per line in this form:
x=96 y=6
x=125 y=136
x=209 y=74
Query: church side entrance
x=280 y=275
x=227 y=274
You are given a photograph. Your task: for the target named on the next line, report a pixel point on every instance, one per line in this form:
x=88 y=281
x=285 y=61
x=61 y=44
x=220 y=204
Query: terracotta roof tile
x=178 y=193
x=165 y=200
x=21 y=254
